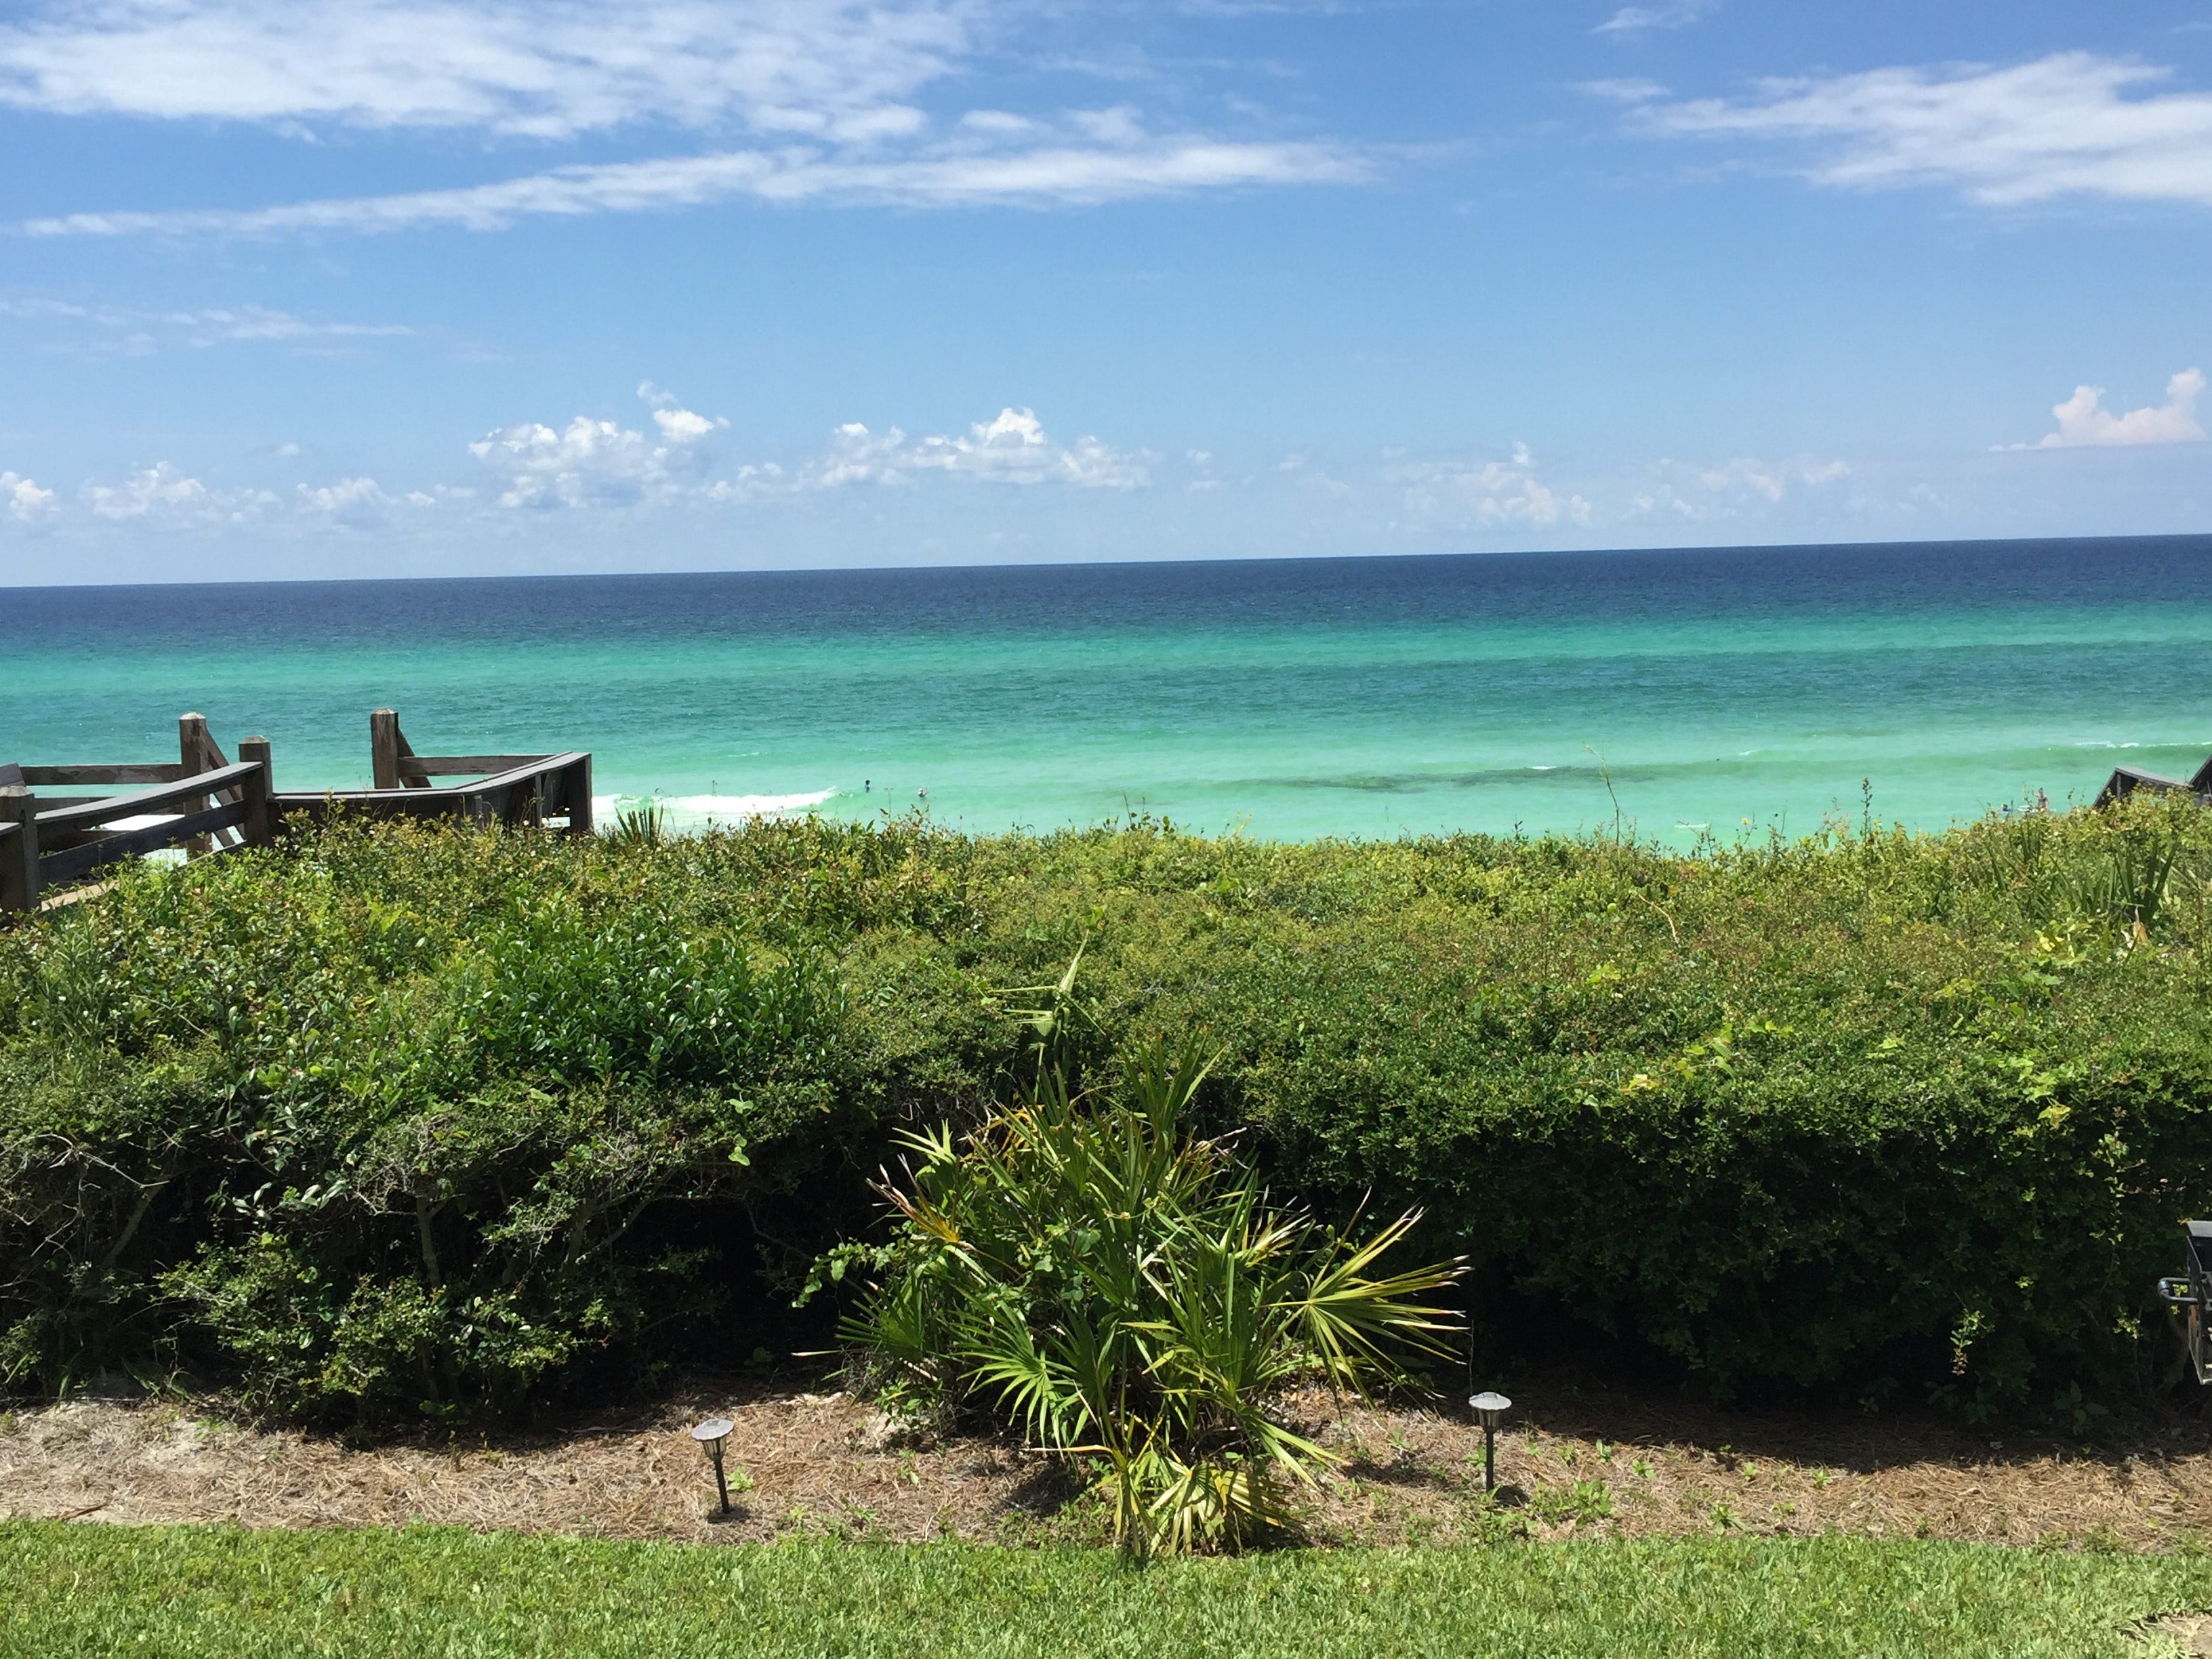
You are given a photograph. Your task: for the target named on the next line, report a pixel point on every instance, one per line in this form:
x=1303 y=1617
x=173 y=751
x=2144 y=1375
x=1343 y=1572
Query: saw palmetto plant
x=1125 y=1292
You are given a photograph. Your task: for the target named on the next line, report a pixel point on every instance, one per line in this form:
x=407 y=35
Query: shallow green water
x=1344 y=697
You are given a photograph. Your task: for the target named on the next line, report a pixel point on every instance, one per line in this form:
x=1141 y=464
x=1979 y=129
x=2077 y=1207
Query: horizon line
x=1136 y=562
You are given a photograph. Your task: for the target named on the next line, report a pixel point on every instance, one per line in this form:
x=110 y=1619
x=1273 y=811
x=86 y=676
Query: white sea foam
x=695 y=812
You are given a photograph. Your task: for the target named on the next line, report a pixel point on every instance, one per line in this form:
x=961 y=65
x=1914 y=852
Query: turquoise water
x=1290 y=699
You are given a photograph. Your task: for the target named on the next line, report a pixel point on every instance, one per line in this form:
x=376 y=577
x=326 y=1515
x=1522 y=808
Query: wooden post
x=191 y=738
x=383 y=748
x=196 y=752
x=257 y=748
x=387 y=746
x=259 y=827
x=19 y=853
x=579 y=796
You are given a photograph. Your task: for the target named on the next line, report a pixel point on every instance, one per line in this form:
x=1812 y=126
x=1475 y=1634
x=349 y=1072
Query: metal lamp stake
x=1491 y=1409
x=710 y=1435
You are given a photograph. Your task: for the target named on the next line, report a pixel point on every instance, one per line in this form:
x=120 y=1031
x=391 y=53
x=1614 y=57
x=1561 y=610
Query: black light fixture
x=2193 y=1290
x=1491 y=1409
x=710 y=1435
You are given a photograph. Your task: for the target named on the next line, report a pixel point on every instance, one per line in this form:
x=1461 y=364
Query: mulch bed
x=1577 y=1461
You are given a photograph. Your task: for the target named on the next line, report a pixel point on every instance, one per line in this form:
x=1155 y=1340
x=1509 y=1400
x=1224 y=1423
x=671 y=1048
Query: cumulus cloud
x=346 y=494
x=1771 y=479
x=159 y=489
x=1731 y=488
x=596 y=463
x=1487 y=493
x=163 y=494
x=680 y=426
x=27 y=502
x=1013 y=448
x=2070 y=123
x=2084 y=420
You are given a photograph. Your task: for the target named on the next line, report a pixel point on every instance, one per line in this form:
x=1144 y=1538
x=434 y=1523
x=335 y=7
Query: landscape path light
x=1491 y=1409
x=710 y=1434
x=2193 y=1290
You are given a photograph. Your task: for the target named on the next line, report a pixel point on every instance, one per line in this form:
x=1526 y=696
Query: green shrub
x=397 y=1119
x=1125 y=1292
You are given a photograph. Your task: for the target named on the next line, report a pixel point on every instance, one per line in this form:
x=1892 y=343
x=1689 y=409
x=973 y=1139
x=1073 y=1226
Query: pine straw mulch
x=1575 y=1460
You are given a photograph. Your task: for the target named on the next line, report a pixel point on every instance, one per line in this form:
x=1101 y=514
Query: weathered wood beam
x=76 y=862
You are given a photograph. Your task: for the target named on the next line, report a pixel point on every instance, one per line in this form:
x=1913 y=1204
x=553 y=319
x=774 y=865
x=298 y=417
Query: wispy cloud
x=1742 y=487
x=549 y=68
x=2071 y=124
x=1039 y=176
x=1486 y=493
x=130 y=330
x=2083 y=420
x=1636 y=20
x=812 y=100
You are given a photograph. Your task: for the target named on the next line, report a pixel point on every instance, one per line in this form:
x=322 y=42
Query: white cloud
x=362 y=503
x=588 y=462
x=134 y=331
x=821 y=88
x=2084 y=420
x=346 y=495
x=1731 y=488
x=680 y=426
x=27 y=502
x=1014 y=448
x=163 y=494
x=1627 y=91
x=1636 y=20
x=592 y=463
x=550 y=68
x=1486 y=493
x=1771 y=479
x=2069 y=123
x=1054 y=174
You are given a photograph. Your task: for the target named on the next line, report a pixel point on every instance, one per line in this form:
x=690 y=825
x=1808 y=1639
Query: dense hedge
x=398 y=1120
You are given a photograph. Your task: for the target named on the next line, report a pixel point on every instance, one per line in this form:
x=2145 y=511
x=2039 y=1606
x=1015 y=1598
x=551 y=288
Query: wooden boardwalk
x=204 y=803
x=2126 y=780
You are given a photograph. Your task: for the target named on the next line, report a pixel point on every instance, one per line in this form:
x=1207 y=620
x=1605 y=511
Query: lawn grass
x=68 y=1590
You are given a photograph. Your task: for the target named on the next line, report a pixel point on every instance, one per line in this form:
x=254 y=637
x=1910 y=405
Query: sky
x=365 y=287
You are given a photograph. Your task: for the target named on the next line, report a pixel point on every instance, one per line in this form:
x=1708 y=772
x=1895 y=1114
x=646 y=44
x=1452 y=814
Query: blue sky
x=310 y=288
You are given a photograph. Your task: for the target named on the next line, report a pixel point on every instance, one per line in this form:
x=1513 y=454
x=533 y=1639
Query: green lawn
x=86 y=1590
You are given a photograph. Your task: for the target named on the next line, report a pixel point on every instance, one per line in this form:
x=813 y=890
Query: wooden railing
x=520 y=790
x=204 y=804
x=2126 y=780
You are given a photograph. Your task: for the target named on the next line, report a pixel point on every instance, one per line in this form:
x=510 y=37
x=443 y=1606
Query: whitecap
x=693 y=811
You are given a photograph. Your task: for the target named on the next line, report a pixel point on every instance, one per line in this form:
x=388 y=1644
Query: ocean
x=1682 y=694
